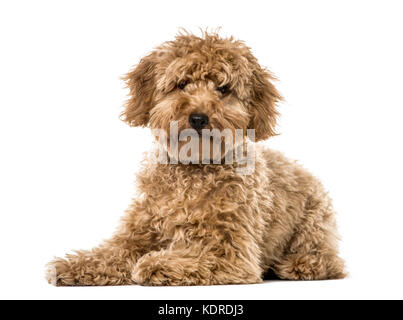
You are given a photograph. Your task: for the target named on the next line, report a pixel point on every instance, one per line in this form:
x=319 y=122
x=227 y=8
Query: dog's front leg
x=198 y=264
x=97 y=267
x=112 y=262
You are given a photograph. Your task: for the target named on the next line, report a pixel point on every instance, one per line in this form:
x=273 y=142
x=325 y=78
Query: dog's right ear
x=141 y=83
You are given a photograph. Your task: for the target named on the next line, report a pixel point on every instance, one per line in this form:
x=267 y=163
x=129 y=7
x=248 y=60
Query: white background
x=67 y=163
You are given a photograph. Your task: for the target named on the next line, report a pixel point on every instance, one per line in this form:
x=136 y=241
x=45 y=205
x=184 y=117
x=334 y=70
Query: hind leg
x=312 y=252
x=310 y=266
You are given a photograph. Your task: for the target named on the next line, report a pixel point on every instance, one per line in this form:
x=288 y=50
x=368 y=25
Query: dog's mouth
x=199 y=131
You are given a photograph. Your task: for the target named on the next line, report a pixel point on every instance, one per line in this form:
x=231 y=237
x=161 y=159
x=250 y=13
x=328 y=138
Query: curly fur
x=208 y=224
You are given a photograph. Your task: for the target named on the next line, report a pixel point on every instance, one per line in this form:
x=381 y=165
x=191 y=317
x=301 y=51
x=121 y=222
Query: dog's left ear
x=141 y=83
x=264 y=97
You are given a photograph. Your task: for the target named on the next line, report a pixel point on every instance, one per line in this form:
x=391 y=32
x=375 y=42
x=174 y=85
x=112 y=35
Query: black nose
x=198 y=120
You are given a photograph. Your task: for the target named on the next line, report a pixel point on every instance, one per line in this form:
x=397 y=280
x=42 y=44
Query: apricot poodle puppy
x=206 y=224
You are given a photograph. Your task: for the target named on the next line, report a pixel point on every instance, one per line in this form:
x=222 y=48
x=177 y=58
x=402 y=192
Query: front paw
x=59 y=273
x=155 y=270
x=73 y=272
x=148 y=271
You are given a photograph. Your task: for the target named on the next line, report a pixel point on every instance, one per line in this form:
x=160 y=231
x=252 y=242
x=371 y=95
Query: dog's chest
x=191 y=196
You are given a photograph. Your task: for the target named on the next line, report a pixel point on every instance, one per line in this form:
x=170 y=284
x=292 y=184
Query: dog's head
x=203 y=82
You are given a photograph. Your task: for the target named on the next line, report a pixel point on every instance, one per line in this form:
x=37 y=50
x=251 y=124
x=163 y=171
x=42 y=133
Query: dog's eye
x=223 y=89
x=182 y=85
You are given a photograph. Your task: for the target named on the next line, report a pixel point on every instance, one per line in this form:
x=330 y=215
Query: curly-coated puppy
x=204 y=224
